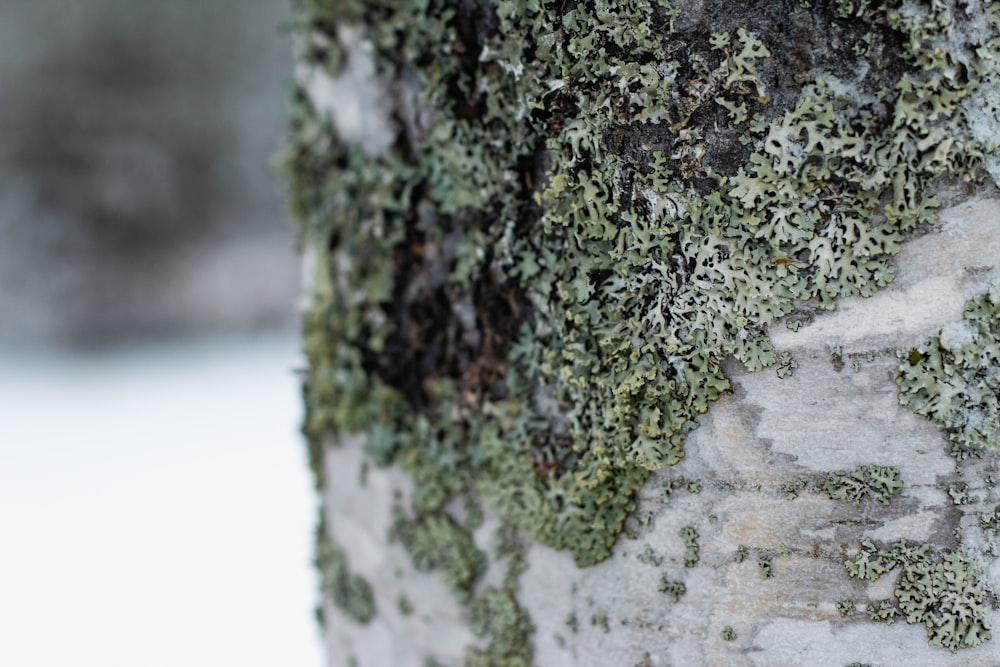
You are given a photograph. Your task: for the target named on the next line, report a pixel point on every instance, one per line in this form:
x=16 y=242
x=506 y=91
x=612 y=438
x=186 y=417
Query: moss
x=943 y=591
x=954 y=379
x=871 y=482
x=764 y=566
x=728 y=634
x=348 y=592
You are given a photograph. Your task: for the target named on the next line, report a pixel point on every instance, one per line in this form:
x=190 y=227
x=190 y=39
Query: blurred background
x=155 y=503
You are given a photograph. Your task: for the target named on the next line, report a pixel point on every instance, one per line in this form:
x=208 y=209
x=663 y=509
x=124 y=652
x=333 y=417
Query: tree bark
x=652 y=333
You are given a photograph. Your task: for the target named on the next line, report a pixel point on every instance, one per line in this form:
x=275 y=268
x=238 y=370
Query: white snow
x=156 y=509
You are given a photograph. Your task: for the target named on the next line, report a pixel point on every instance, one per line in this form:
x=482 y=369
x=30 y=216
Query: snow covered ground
x=156 y=508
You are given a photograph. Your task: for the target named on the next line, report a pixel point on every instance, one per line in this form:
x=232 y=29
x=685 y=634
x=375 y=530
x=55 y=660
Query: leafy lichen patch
x=495 y=613
x=348 y=592
x=877 y=483
x=585 y=211
x=579 y=184
x=435 y=542
x=954 y=379
x=945 y=592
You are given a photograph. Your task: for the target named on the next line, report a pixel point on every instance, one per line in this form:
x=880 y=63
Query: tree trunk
x=652 y=333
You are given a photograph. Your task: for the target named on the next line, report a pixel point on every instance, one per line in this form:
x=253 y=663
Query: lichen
x=674 y=589
x=348 y=592
x=847 y=608
x=792 y=490
x=690 y=537
x=728 y=634
x=871 y=482
x=436 y=542
x=586 y=208
x=954 y=379
x=945 y=591
x=496 y=613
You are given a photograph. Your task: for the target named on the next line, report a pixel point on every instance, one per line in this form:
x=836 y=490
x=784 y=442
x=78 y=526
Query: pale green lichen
x=644 y=263
x=792 y=490
x=945 y=592
x=436 y=542
x=495 y=613
x=586 y=209
x=690 y=537
x=871 y=482
x=847 y=608
x=728 y=634
x=601 y=620
x=989 y=522
x=954 y=379
x=673 y=589
x=348 y=592
x=884 y=611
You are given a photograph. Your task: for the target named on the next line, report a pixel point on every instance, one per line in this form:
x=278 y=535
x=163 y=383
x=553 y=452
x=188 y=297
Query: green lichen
x=495 y=613
x=672 y=485
x=572 y=623
x=601 y=620
x=989 y=522
x=728 y=634
x=847 y=608
x=765 y=568
x=649 y=557
x=943 y=591
x=529 y=296
x=786 y=365
x=959 y=494
x=690 y=537
x=792 y=490
x=871 y=482
x=884 y=611
x=348 y=592
x=674 y=589
x=436 y=542
x=954 y=379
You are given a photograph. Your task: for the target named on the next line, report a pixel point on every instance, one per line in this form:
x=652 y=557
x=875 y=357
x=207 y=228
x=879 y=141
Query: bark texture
x=636 y=330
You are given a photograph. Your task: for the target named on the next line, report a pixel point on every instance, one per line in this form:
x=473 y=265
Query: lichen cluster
x=497 y=614
x=585 y=208
x=877 y=483
x=435 y=542
x=348 y=592
x=954 y=378
x=943 y=591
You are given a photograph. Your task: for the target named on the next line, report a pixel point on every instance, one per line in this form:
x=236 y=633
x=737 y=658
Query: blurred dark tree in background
x=137 y=198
